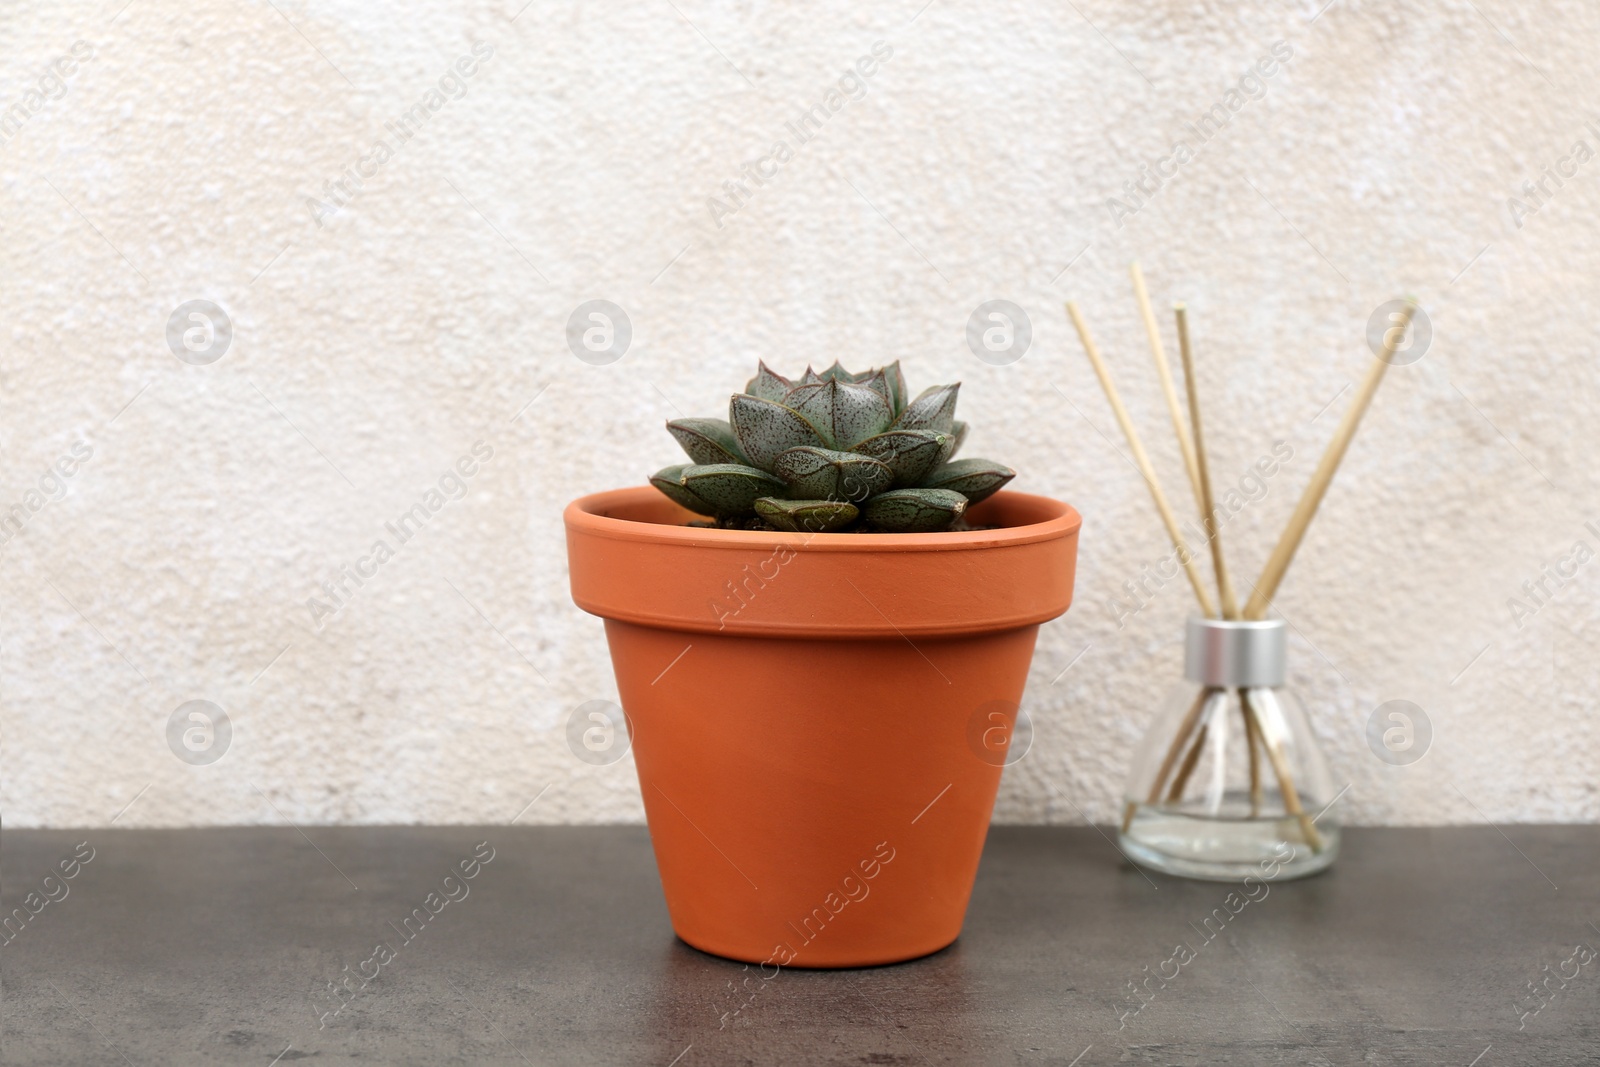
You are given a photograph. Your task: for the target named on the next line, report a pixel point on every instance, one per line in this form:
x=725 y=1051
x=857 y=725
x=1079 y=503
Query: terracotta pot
x=819 y=721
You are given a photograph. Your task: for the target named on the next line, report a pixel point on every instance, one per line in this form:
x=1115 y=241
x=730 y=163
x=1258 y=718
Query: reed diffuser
x=1229 y=780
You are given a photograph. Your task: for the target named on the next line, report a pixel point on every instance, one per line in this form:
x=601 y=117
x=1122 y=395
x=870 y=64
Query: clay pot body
x=819 y=721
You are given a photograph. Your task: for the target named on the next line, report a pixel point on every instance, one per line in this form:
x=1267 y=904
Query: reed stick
x=1181 y=779
x=1267 y=585
x=1208 y=510
x=1141 y=459
x=1208 y=516
x=1251 y=740
x=1164 y=372
x=1185 y=728
x=1291 y=795
x=1190 y=717
x=1230 y=606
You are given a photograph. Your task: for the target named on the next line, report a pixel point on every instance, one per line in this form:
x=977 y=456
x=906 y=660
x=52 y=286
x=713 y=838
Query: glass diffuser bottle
x=1229 y=781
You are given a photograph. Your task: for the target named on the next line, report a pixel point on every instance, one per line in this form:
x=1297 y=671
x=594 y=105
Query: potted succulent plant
x=821 y=628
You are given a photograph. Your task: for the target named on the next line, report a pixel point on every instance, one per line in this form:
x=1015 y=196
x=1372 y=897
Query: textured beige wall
x=375 y=344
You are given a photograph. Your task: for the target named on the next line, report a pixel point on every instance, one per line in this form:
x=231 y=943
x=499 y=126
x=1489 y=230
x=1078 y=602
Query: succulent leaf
x=958 y=430
x=897 y=387
x=670 y=481
x=823 y=474
x=707 y=440
x=766 y=428
x=974 y=479
x=829 y=452
x=730 y=488
x=807 y=516
x=768 y=385
x=837 y=373
x=844 y=412
x=933 y=409
x=910 y=454
x=914 y=510
x=878 y=383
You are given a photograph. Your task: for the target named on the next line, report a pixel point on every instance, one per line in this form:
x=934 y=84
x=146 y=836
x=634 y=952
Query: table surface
x=217 y=946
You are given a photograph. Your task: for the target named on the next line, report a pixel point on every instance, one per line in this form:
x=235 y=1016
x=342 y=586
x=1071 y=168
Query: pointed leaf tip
x=975 y=479
x=933 y=409
x=766 y=428
x=670 y=481
x=767 y=384
x=707 y=440
x=844 y=412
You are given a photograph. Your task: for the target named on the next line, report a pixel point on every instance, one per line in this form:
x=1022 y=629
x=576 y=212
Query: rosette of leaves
x=831 y=452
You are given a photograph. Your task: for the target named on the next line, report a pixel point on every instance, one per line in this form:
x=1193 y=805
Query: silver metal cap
x=1233 y=654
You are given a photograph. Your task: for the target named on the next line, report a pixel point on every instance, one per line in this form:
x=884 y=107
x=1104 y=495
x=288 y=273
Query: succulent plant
x=831 y=452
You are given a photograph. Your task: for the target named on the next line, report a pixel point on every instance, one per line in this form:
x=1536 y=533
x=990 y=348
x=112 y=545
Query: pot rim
x=629 y=561
x=588 y=513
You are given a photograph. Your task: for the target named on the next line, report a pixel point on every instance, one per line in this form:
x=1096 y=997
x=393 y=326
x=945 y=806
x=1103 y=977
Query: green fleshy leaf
x=910 y=454
x=879 y=383
x=958 y=430
x=807 y=516
x=933 y=409
x=845 y=413
x=914 y=510
x=707 y=440
x=837 y=373
x=670 y=481
x=765 y=428
x=823 y=474
x=974 y=479
x=767 y=384
x=897 y=387
x=730 y=488
x=810 y=377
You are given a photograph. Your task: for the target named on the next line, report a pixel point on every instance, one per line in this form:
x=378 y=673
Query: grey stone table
x=218 y=947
